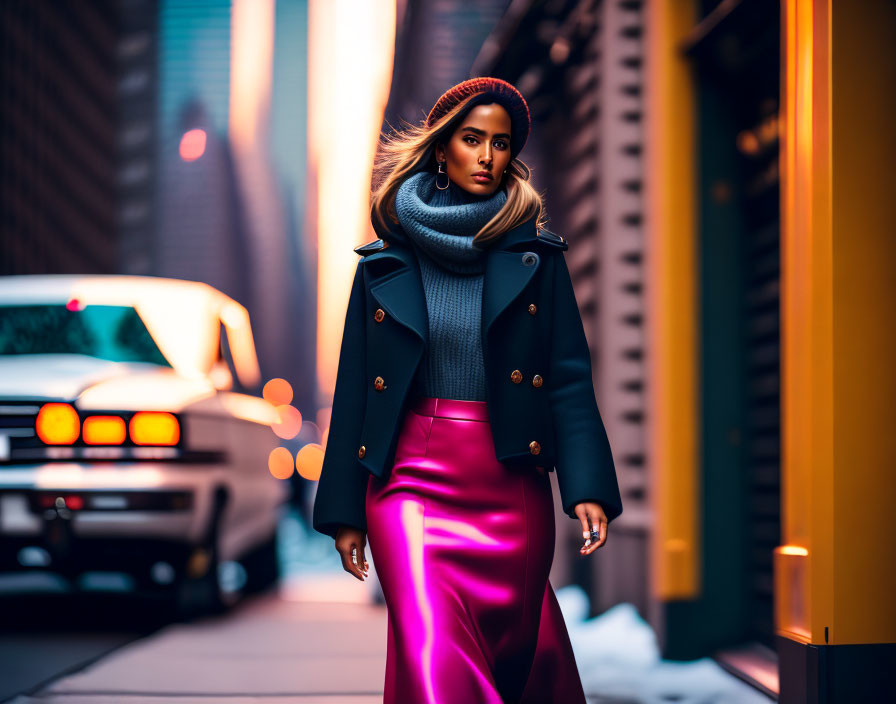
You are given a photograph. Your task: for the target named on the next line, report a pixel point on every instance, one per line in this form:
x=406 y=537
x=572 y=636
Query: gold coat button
x=379 y=383
x=361 y=452
x=537 y=381
x=532 y=309
x=379 y=315
x=516 y=376
x=534 y=447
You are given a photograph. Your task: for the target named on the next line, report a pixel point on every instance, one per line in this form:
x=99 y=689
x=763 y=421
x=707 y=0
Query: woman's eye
x=500 y=143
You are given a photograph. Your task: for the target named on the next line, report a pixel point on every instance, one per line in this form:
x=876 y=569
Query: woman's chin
x=482 y=189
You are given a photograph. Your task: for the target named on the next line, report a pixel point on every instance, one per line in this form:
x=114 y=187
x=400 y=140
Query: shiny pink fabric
x=462 y=545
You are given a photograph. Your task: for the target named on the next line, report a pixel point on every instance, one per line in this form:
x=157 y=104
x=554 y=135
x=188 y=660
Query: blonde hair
x=404 y=153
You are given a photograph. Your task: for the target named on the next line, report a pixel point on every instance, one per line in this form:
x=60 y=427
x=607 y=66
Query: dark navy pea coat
x=541 y=402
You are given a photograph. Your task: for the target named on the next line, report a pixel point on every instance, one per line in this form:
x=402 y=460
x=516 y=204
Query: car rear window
x=116 y=333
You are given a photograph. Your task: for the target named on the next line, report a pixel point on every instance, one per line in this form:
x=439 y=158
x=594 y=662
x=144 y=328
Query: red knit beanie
x=489 y=90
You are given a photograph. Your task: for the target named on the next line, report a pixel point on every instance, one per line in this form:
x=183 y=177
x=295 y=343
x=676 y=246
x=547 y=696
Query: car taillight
x=104 y=430
x=154 y=428
x=58 y=424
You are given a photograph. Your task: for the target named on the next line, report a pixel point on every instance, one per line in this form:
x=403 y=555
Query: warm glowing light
x=280 y=463
x=325 y=437
x=309 y=461
x=58 y=424
x=74 y=502
x=192 y=145
x=289 y=424
x=74 y=305
x=277 y=392
x=252 y=30
x=351 y=48
x=793 y=550
x=251 y=66
x=104 y=430
x=154 y=428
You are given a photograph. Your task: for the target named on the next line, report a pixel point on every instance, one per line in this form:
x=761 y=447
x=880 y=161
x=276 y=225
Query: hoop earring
x=448 y=181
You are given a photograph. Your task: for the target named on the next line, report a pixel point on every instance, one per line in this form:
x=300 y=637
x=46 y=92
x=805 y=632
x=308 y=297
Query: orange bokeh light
x=290 y=422
x=192 y=145
x=277 y=392
x=58 y=424
x=309 y=461
x=104 y=430
x=280 y=463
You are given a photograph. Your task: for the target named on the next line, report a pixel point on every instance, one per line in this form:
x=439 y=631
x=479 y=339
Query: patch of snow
x=619 y=660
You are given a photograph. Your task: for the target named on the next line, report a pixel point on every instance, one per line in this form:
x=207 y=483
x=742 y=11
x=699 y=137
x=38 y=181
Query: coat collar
x=395 y=282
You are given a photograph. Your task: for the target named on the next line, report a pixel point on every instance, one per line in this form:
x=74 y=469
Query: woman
x=464 y=377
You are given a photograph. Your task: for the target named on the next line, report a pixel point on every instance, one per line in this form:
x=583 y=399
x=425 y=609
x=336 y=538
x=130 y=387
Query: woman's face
x=480 y=144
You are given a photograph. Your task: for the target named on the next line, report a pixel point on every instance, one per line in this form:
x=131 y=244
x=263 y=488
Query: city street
x=564 y=302
x=320 y=636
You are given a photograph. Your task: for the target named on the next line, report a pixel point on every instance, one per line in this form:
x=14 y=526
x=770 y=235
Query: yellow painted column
x=672 y=304
x=835 y=573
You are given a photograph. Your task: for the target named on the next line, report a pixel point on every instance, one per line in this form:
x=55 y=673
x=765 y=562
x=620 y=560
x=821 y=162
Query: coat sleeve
x=585 y=468
x=342 y=488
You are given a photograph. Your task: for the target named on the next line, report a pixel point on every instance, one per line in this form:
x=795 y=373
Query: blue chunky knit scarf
x=441 y=225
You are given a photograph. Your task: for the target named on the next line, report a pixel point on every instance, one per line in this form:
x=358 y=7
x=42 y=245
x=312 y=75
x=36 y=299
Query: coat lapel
x=397 y=286
x=505 y=273
x=505 y=277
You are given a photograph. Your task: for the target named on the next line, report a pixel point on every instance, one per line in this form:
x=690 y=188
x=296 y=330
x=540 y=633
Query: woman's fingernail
x=584 y=533
x=588 y=542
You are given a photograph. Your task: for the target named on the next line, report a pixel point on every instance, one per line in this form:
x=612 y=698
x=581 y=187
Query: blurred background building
x=59 y=137
x=720 y=168
x=122 y=154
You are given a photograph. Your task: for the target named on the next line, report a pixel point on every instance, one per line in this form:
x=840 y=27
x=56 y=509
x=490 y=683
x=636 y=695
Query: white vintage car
x=124 y=444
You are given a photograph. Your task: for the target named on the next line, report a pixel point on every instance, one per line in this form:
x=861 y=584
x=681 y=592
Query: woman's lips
x=480 y=178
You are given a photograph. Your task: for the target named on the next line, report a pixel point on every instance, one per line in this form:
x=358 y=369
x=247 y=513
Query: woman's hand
x=591 y=514
x=348 y=539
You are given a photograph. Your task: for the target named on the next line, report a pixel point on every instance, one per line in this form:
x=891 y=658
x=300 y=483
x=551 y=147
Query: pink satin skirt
x=462 y=546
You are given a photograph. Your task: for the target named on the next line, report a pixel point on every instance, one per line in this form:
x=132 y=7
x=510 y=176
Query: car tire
x=201 y=595
x=262 y=566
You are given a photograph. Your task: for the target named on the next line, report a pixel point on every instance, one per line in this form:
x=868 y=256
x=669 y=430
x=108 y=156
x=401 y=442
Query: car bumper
x=102 y=515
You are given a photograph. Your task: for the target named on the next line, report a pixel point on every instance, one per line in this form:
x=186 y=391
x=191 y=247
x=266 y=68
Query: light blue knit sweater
x=441 y=225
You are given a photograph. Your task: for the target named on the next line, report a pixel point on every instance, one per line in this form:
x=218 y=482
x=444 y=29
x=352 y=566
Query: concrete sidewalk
x=287 y=646
x=322 y=638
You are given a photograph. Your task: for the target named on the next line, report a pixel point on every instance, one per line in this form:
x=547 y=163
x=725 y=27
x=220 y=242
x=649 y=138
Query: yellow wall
x=835 y=570
x=671 y=273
